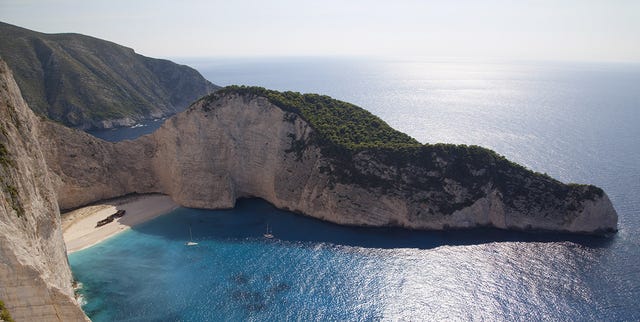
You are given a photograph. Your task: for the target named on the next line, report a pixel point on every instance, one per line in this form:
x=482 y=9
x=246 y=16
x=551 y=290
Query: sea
x=576 y=121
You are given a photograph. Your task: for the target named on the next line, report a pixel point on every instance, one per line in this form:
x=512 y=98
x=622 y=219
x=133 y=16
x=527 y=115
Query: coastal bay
x=387 y=162
x=515 y=109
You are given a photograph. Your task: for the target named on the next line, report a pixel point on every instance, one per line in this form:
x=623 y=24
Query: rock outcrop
x=245 y=143
x=86 y=82
x=35 y=279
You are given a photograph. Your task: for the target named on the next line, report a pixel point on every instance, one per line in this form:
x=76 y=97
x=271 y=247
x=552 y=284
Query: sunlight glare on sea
x=577 y=122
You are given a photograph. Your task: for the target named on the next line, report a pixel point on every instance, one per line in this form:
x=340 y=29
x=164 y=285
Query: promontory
x=323 y=158
x=307 y=153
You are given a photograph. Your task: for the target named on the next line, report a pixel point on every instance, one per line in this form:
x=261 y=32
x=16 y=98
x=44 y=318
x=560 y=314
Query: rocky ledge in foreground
x=323 y=158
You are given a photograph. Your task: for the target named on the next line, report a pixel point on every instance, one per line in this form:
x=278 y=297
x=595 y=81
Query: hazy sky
x=580 y=30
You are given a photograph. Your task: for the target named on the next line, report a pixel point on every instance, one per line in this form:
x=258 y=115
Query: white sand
x=79 y=226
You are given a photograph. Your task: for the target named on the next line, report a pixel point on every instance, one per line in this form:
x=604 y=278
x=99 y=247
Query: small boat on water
x=268 y=234
x=191 y=242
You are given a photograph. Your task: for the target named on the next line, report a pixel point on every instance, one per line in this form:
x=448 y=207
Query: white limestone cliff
x=241 y=146
x=35 y=279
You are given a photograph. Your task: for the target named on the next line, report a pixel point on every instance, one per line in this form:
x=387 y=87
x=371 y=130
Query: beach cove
x=79 y=226
x=336 y=272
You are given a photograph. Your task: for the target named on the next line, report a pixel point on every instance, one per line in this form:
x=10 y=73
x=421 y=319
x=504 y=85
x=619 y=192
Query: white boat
x=191 y=242
x=268 y=234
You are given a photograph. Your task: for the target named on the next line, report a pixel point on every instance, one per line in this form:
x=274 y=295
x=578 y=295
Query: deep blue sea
x=128 y=133
x=578 y=122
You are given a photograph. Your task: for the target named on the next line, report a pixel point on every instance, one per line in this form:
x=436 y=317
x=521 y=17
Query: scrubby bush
x=4 y=313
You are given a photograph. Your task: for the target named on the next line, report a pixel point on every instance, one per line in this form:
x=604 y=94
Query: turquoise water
x=311 y=271
x=576 y=122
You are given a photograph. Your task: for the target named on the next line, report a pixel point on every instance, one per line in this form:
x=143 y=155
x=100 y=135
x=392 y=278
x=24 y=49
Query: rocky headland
x=323 y=158
x=303 y=152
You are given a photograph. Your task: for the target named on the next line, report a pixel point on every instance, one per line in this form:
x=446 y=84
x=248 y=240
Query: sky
x=563 y=30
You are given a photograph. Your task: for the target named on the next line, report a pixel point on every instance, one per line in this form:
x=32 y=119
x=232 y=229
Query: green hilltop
x=341 y=123
x=344 y=131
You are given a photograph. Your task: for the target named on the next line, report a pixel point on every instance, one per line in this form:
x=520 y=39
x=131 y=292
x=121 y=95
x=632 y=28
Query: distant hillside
x=87 y=82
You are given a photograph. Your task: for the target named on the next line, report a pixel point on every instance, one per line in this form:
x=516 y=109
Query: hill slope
x=87 y=82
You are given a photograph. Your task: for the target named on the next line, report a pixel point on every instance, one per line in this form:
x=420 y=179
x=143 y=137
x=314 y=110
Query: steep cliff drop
x=35 y=279
x=322 y=158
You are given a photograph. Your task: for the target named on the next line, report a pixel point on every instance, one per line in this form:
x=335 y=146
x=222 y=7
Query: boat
x=111 y=218
x=268 y=234
x=191 y=242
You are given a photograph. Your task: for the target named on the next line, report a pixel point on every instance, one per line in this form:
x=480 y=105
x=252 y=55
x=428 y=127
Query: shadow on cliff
x=249 y=219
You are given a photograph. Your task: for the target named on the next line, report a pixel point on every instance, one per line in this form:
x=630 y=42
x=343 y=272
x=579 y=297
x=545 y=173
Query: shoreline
x=79 y=226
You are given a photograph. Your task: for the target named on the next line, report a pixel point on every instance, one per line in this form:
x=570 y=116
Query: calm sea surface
x=577 y=122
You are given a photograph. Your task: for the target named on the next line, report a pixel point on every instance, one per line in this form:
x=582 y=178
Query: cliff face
x=86 y=82
x=35 y=279
x=234 y=144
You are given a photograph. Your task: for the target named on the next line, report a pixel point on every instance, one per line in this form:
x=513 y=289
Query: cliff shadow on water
x=251 y=218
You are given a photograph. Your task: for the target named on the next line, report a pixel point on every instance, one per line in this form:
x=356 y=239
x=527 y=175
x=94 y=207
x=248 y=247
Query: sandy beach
x=79 y=226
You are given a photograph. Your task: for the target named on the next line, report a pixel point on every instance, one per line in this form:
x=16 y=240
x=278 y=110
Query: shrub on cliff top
x=349 y=129
x=339 y=122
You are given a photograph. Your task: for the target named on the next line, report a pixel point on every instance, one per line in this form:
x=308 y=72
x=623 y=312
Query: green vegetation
x=80 y=80
x=4 y=313
x=590 y=192
x=5 y=158
x=14 y=199
x=351 y=138
x=7 y=162
x=340 y=123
